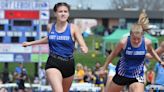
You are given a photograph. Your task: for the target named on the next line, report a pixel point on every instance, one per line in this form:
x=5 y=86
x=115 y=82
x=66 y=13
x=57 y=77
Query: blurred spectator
x=36 y=80
x=10 y=77
x=87 y=32
x=99 y=80
x=99 y=30
x=97 y=46
x=150 y=76
x=5 y=76
x=107 y=32
x=88 y=76
x=79 y=74
x=42 y=75
x=159 y=72
x=20 y=75
x=97 y=67
x=2 y=89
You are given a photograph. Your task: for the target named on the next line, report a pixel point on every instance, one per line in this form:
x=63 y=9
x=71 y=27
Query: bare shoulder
x=124 y=40
x=74 y=27
x=49 y=26
x=148 y=41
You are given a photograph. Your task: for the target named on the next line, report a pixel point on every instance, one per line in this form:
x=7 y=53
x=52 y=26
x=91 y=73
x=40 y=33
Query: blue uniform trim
x=131 y=63
x=61 y=43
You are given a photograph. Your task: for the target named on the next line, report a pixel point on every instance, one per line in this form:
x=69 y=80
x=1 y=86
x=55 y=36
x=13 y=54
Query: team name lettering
x=135 y=52
x=59 y=37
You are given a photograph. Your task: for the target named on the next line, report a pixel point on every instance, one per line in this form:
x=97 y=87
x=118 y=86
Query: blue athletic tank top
x=131 y=63
x=61 y=43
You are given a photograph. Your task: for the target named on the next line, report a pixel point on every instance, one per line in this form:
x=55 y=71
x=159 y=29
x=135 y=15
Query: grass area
x=11 y=66
x=89 y=59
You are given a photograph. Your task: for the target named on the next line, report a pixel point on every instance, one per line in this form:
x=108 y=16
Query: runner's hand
x=25 y=44
x=84 y=49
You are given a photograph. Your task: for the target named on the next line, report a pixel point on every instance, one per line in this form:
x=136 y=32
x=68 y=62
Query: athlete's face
x=135 y=39
x=62 y=13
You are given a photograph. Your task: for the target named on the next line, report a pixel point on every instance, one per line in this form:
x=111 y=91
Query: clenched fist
x=25 y=44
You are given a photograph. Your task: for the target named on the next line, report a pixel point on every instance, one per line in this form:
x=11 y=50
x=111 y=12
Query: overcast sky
x=94 y=4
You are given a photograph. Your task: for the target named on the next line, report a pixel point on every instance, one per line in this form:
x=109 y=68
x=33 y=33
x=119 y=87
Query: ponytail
x=144 y=20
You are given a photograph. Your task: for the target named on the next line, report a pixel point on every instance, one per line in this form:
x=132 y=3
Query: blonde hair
x=144 y=20
x=79 y=65
x=142 y=25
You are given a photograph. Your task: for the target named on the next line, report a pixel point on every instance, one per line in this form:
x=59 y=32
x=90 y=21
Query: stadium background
x=22 y=21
